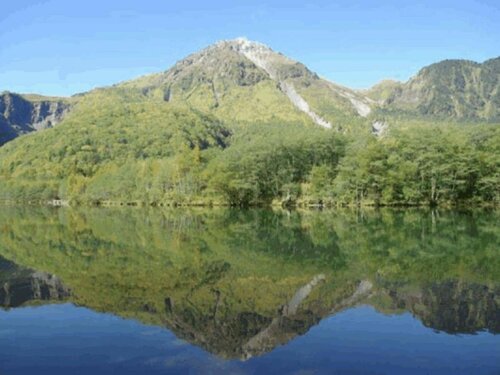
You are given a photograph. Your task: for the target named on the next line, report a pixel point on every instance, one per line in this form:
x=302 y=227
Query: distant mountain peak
x=241 y=42
x=260 y=54
x=249 y=75
x=452 y=88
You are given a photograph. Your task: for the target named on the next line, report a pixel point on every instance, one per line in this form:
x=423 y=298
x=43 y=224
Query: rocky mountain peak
x=261 y=55
x=241 y=43
x=244 y=74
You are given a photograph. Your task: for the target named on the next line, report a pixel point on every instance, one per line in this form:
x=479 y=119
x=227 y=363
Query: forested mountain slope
x=458 y=89
x=240 y=124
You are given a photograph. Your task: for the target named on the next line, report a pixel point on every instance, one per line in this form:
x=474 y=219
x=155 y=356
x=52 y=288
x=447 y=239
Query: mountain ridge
x=452 y=88
x=21 y=114
x=265 y=85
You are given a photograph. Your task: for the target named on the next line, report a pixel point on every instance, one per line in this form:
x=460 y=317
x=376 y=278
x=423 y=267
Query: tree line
x=150 y=153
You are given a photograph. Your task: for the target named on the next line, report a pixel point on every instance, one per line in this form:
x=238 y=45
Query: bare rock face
x=19 y=115
x=379 y=127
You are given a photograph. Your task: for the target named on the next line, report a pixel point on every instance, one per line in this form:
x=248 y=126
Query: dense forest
x=134 y=152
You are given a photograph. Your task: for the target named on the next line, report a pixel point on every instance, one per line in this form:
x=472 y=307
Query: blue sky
x=61 y=47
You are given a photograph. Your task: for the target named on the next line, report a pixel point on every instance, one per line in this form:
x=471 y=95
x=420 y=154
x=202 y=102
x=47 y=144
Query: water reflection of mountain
x=452 y=306
x=241 y=283
x=20 y=286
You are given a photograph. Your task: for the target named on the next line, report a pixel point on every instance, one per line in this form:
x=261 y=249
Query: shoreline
x=274 y=204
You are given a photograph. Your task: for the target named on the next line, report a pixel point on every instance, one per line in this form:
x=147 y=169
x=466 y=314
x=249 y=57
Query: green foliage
x=273 y=163
x=383 y=90
x=110 y=147
x=424 y=165
x=132 y=151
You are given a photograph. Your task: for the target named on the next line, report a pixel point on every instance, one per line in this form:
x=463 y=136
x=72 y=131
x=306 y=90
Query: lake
x=215 y=291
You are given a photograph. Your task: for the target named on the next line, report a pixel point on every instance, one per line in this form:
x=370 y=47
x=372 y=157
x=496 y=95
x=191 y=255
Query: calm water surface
x=136 y=291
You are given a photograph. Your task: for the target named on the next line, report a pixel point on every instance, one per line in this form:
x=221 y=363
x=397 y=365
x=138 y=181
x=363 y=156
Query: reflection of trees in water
x=239 y=283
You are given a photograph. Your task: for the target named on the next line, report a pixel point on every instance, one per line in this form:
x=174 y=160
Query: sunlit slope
x=107 y=130
x=247 y=82
x=450 y=89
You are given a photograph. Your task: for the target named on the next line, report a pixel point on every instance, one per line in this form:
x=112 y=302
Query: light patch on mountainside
x=301 y=104
x=362 y=107
x=260 y=54
x=263 y=57
x=379 y=128
x=361 y=104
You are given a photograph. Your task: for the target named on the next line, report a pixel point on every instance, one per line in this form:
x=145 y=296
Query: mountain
x=450 y=306
x=383 y=90
x=240 y=124
x=238 y=81
x=21 y=114
x=245 y=81
x=450 y=89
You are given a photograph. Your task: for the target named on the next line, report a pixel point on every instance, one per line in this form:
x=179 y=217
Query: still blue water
x=134 y=291
x=64 y=339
